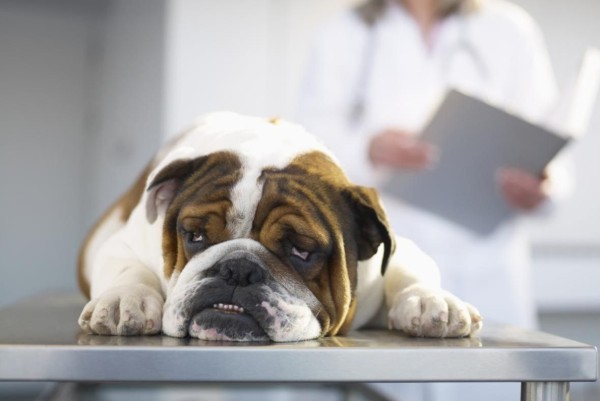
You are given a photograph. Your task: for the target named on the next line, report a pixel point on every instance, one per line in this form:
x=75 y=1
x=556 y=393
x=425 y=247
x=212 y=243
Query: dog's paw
x=126 y=310
x=431 y=312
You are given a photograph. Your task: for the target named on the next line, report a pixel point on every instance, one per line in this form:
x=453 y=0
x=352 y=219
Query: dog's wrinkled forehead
x=217 y=198
x=255 y=143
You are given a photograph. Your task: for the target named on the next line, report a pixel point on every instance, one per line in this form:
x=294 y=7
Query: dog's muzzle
x=232 y=294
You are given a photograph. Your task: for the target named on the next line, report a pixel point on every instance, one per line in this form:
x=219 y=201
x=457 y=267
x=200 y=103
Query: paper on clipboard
x=575 y=108
x=475 y=140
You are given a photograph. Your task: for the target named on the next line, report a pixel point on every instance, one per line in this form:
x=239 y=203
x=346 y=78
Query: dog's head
x=262 y=233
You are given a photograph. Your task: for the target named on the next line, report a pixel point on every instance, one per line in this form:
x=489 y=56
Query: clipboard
x=475 y=140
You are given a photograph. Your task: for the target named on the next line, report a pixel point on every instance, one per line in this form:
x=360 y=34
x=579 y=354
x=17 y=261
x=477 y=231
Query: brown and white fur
x=246 y=229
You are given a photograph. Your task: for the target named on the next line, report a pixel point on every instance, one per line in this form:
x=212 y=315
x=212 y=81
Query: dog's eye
x=195 y=241
x=196 y=237
x=300 y=253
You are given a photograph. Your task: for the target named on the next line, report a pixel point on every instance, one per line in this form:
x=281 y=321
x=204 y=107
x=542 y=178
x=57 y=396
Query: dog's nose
x=241 y=272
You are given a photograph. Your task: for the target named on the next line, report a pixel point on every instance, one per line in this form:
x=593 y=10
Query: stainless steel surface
x=40 y=340
x=545 y=391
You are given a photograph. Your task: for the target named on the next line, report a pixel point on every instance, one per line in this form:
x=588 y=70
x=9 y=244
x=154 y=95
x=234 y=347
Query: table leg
x=545 y=391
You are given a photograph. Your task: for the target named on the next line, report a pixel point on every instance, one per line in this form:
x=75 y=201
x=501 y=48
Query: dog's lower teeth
x=228 y=308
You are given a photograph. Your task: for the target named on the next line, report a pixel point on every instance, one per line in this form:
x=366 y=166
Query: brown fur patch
x=203 y=195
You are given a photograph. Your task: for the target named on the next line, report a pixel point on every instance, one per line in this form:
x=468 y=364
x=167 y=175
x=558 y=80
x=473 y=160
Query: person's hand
x=399 y=149
x=522 y=190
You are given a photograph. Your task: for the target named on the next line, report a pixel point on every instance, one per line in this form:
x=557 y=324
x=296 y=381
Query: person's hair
x=370 y=10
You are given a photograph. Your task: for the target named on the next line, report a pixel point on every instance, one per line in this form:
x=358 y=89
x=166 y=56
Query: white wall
x=80 y=114
x=124 y=97
x=245 y=56
x=42 y=71
x=217 y=56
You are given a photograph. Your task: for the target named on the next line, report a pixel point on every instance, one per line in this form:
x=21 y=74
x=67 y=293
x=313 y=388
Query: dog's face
x=258 y=252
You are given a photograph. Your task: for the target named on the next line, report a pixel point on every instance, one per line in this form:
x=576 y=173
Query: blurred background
x=90 y=88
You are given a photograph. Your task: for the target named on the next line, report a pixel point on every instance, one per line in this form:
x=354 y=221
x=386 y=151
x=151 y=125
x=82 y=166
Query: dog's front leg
x=126 y=296
x=416 y=302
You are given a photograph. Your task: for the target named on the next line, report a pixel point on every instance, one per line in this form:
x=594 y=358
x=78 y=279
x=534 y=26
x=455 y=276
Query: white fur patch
x=305 y=325
x=369 y=291
x=245 y=196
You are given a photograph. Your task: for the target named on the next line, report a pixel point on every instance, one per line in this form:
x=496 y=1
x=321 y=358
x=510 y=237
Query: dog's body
x=247 y=229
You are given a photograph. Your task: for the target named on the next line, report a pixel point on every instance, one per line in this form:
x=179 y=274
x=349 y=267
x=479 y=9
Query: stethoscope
x=460 y=47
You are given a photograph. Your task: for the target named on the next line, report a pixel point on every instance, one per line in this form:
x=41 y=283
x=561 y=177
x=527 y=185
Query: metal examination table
x=40 y=341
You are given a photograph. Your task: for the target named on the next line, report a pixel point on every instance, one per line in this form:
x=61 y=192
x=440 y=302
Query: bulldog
x=247 y=229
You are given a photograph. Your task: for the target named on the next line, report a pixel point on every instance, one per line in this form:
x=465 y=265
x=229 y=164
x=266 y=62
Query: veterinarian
x=374 y=77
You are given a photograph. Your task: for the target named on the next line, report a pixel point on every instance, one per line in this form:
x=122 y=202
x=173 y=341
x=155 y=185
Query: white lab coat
x=496 y=53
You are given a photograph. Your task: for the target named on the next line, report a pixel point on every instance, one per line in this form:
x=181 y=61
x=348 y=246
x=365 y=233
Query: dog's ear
x=371 y=224
x=164 y=186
